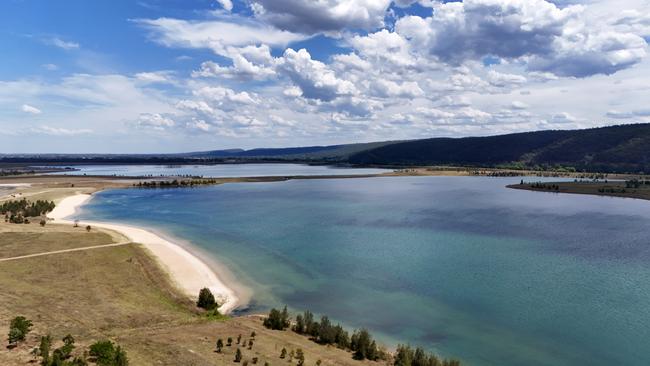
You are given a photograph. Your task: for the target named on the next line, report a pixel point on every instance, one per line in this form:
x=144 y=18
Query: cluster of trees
x=238 y=353
x=361 y=343
x=18 y=329
x=176 y=183
x=5 y=173
x=636 y=183
x=407 y=356
x=549 y=187
x=103 y=353
x=60 y=356
x=298 y=354
x=612 y=190
x=278 y=320
x=26 y=208
x=17 y=211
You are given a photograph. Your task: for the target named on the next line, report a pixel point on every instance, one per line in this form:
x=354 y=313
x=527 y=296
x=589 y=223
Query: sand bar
x=189 y=273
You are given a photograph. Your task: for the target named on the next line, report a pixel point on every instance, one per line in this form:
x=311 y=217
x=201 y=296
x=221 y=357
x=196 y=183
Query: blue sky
x=174 y=75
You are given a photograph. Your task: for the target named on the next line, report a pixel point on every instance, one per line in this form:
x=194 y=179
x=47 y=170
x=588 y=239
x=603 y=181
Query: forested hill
x=613 y=149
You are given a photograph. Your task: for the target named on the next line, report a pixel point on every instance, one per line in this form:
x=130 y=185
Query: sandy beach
x=189 y=273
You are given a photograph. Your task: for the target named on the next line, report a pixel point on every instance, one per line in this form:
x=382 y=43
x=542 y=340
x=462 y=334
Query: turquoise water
x=460 y=265
x=216 y=170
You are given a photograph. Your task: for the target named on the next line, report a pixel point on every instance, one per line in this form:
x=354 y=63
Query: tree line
x=17 y=211
x=176 y=183
x=360 y=343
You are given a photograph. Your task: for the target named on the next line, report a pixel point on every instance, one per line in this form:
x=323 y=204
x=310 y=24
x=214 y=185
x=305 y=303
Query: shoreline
x=187 y=271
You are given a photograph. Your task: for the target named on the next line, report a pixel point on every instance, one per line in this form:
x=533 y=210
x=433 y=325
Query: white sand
x=189 y=272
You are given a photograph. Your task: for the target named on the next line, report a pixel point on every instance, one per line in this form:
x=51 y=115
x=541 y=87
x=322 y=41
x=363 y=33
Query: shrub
x=107 y=354
x=18 y=329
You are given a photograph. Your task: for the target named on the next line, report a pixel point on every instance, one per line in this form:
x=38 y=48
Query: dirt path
x=64 y=251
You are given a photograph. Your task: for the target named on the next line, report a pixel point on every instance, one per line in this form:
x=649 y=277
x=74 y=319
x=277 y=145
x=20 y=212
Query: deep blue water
x=460 y=265
x=216 y=170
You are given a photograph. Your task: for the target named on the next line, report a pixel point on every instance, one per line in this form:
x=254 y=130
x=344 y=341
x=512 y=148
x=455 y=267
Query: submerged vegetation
x=361 y=343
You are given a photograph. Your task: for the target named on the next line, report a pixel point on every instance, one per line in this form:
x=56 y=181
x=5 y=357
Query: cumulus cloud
x=248 y=63
x=330 y=16
x=499 y=79
x=217 y=35
x=154 y=121
x=30 y=109
x=549 y=38
x=315 y=79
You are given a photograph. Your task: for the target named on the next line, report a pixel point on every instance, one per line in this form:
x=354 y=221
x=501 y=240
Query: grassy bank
x=120 y=293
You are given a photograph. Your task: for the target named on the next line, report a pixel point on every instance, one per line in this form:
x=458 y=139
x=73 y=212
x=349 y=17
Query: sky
x=159 y=76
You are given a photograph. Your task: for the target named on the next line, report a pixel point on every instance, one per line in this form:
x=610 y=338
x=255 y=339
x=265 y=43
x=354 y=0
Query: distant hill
x=623 y=148
x=310 y=153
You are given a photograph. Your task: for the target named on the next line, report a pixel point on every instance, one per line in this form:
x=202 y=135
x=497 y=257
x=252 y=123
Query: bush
x=107 y=354
x=18 y=329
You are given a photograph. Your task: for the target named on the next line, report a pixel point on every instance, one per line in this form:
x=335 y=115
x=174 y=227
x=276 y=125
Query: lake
x=216 y=170
x=460 y=265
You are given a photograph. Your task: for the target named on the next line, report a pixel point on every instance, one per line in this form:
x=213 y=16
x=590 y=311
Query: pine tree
x=219 y=345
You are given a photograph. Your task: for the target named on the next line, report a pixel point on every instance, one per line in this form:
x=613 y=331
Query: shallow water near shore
x=460 y=265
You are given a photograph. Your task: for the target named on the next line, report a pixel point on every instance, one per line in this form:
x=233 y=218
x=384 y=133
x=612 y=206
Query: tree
x=283 y=353
x=238 y=339
x=253 y=334
x=44 y=349
x=229 y=341
x=238 y=355
x=277 y=320
x=88 y=228
x=219 y=345
x=250 y=344
x=300 y=356
x=206 y=299
x=18 y=329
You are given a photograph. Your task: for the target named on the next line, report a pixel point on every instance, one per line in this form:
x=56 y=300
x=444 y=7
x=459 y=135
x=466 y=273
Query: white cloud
x=30 y=109
x=314 y=78
x=217 y=35
x=503 y=80
x=154 y=77
x=329 y=16
x=66 y=45
x=226 y=4
x=154 y=121
x=58 y=131
x=548 y=38
x=50 y=67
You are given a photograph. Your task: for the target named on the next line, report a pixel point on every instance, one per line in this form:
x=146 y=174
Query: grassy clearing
x=121 y=293
x=611 y=188
x=14 y=244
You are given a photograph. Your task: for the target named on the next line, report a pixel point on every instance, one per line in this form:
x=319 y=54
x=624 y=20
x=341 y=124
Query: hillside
x=613 y=149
